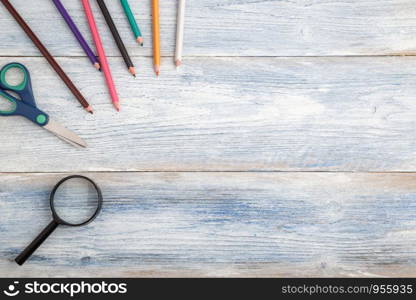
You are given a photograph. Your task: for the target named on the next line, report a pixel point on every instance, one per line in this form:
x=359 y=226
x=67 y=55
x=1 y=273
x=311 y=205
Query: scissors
x=26 y=105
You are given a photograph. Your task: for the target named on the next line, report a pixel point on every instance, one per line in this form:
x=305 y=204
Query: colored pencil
x=116 y=36
x=156 y=36
x=132 y=20
x=47 y=55
x=179 y=32
x=101 y=53
x=83 y=43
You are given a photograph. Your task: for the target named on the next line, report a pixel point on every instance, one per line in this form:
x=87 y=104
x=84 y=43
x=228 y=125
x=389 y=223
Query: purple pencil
x=77 y=33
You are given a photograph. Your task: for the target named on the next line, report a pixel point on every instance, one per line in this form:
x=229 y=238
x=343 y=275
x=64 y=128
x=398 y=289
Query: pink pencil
x=101 y=54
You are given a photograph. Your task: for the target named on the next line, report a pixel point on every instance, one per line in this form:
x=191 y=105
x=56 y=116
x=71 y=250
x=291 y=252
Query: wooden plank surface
x=221 y=114
x=219 y=224
x=269 y=89
x=234 y=28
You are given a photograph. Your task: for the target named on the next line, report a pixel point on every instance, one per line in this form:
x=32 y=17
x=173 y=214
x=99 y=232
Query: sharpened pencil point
x=117 y=106
x=89 y=109
x=178 y=63
x=140 y=40
x=97 y=66
x=132 y=71
x=157 y=70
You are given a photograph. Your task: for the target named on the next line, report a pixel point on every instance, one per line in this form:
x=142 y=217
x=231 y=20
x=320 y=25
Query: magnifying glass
x=75 y=201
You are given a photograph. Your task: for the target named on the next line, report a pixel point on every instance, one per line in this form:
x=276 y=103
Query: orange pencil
x=156 y=36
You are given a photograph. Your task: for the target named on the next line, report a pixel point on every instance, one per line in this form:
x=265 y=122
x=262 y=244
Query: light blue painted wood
x=225 y=114
x=234 y=28
x=219 y=224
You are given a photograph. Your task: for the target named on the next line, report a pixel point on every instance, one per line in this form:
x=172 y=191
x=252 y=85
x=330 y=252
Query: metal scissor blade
x=64 y=134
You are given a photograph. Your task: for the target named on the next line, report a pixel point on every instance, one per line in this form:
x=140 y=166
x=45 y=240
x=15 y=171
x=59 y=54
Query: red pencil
x=101 y=54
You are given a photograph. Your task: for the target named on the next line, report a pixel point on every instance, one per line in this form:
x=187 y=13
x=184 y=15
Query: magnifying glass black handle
x=20 y=260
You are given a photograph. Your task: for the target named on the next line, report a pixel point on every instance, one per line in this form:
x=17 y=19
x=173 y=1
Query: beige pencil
x=179 y=32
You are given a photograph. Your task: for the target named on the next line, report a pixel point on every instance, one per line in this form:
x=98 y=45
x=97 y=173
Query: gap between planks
x=227 y=56
x=211 y=171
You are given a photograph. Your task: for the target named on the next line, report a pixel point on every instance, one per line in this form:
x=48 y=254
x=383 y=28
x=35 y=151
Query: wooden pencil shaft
x=115 y=33
x=180 y=30
x=156 y=32
x=101 y=53
x=46 y=53
x=74 y=29
x=132 y=20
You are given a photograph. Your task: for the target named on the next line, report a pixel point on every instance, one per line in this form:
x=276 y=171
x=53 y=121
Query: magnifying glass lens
x=76 y=201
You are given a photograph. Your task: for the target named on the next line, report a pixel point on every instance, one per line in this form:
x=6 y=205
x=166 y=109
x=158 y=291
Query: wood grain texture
x=233 y=28
x=234 y=106
x=223 y=114
x=219 y=224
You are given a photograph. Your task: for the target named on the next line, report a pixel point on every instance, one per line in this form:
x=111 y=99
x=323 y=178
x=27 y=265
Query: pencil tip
x=89 y=109
x=157 y=70
x=140 y=40
x=178 y=63
x=97 y=66
x=117 y=106
x=132 y=71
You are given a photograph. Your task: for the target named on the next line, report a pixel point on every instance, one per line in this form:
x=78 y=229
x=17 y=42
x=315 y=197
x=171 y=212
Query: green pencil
x=132 y=21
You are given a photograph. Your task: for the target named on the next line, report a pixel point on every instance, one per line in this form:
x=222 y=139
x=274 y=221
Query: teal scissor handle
x=26 y=106
x=13 y=106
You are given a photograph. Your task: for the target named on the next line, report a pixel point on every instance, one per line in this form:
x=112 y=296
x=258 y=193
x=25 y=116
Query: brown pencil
x=48 y=56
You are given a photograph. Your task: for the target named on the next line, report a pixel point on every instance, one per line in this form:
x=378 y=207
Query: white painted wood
x=223 y=112
x=219 y=224
x=218 y=114
x=233 y=28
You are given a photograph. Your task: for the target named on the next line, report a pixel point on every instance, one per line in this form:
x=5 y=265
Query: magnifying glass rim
x=52 y=202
